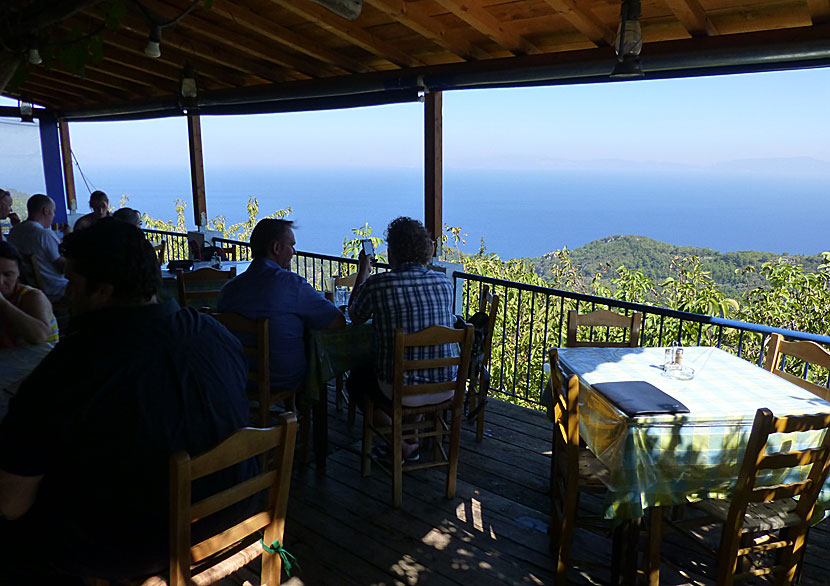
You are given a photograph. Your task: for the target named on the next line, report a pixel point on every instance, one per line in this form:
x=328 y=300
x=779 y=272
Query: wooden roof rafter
x=585 y=21
x=819 y=11
x=481 y=20
x=416 y=18
x=691 y=14
x=349 y=32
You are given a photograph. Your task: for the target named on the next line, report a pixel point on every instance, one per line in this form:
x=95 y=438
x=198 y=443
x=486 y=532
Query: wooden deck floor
x=343 y=530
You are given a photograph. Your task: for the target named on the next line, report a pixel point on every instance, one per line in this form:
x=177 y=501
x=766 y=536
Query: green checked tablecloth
x=673 y=459
x=332 y=352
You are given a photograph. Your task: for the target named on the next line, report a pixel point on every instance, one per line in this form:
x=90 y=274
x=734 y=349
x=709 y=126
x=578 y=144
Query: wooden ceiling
x=278 y=55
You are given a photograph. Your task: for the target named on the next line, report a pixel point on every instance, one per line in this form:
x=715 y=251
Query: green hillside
x=654 y=259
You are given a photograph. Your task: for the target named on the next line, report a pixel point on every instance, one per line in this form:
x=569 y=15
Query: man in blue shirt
x=269 y=289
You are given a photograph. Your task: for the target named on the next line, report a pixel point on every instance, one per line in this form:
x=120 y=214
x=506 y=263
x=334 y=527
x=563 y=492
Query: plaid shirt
x=411 y=297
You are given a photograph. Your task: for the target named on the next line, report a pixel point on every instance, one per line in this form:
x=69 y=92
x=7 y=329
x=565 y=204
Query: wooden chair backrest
x=159 y=250
x=809 y=352
x=241 y=445
x=347 y=281
x=254 y=335
x=432 y=336
x=489 y=304
x=756 y=461
x=183 y=278
x=37 y=276
x=604 y=319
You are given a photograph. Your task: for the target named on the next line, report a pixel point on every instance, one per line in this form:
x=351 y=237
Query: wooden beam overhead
x=68 y=170
x=348 y=31
x=819 y=11
x=197 y=169
x=433 y=164
x=413 y=16
x=585 y=21
x=195 y=27
x=484 y=22
x=692 y=16
x=273 y=31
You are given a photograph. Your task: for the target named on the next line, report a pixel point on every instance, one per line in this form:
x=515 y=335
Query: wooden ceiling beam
x=413 y=16
x=693 y=17
x=348 y=31
x=48 y=98
x=484 y=22
x=53 y=88
x=92 y=82
x=819 y=11
x=279 y=34
x=232 y=43
x=193 y=48
x=127 y=46
x=585 y=21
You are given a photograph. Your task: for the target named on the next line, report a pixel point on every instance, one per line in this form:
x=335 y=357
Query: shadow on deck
x=343 y=530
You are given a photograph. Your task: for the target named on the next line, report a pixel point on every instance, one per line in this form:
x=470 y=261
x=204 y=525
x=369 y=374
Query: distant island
x=654 y=259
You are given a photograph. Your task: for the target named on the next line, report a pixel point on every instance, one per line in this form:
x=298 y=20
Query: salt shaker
x=669 y=359
x=678 y=357
x=215 y=261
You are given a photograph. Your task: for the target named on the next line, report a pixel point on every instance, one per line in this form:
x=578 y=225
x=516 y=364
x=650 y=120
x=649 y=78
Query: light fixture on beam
x=629 y=42
x=153 y=48
x=188 y=89
x=27 y=112
x=34 y=56
x=349 y=9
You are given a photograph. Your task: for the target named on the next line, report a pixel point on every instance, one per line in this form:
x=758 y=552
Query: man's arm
x=17 y=493
x=338 y=322
x=364 y=269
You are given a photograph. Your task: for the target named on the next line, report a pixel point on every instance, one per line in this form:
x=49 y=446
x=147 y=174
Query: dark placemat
x=637 y=397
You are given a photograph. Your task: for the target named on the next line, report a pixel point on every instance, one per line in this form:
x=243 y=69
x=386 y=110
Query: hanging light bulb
x=153 y=48
x=189 y=89
x=34 y=56
x=629 y=42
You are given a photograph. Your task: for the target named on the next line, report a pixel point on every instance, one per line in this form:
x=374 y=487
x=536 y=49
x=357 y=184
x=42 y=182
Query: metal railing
x=532 y=319
x=175 y=243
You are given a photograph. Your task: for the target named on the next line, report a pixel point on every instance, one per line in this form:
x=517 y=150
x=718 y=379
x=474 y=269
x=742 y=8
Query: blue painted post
x=50 y=150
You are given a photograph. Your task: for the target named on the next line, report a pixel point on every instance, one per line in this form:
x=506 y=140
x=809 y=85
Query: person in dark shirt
x=84 y=449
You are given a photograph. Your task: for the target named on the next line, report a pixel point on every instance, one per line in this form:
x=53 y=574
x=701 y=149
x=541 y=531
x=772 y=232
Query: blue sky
x=697 y=121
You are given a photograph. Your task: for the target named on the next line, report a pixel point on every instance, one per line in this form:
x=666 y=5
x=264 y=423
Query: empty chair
x=808 y=352
x=765 y=521
x=201 y=286
x=574 y=469
x=269 y=516
x=433 y=424
x=480 y=378
x=604 y=319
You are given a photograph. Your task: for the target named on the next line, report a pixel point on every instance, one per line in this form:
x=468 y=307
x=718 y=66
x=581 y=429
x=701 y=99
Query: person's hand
x=364 y=266
x=64 y=228
x=14 y=219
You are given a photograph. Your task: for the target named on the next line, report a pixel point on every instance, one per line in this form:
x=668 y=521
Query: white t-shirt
x=32 y=238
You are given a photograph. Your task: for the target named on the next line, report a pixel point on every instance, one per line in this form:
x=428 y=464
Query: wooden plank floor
x=343 y=530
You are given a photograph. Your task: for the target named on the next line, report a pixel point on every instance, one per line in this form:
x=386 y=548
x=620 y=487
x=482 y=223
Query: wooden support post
x=68 y=171
x=433 y=164
x=197 y=169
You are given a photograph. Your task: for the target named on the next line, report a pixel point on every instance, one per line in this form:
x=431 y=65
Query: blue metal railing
x=532 y=318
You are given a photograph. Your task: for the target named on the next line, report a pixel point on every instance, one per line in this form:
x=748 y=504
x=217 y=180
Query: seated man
x=128 y=215
x=99 y=203
x=34 y=237
x=411 y=297
x=6 y=210
x=85 y=447
x=269 y=289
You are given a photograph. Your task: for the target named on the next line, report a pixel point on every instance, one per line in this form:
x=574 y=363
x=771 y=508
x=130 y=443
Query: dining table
x=693 y=450
x=330 y=353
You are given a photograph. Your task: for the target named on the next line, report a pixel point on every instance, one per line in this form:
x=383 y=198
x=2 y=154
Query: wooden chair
x=196 y=281
x=433 y=424
x=574 y=469
x=605 y=319
x=346 y=281
x=159 y=250
x=764 y=527
x=480 y=381
x=255 y=338
x=37 y=276
x=184 y=470
x=808 y=352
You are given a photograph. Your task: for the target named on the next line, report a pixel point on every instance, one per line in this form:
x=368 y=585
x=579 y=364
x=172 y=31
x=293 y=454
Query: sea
x=513 y=213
